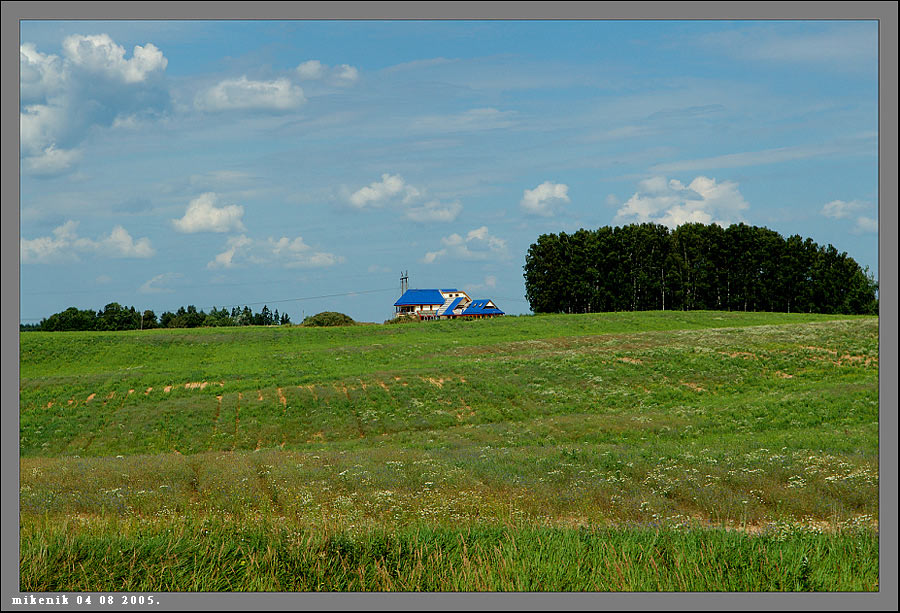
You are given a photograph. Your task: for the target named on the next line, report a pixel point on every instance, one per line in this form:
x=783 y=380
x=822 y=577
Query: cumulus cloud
x=284 y=251
x=314 y=70
x=545 y=199
x=203 y=216
x=435 y=211
x=346 y=74
x=64 y=243
x=379 y=192
x=51 y=161
x=40 y=75
x=394 y=191
x=839 y=209
x=244 y=94
x=91 y=84
x=100 y=54
x=672 y=203
x=478 y=244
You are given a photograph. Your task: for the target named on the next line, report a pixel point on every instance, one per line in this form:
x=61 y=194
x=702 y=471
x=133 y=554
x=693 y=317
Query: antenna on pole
x=404 y=282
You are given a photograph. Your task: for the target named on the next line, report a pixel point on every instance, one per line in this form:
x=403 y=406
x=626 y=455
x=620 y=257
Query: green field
x=603 y=452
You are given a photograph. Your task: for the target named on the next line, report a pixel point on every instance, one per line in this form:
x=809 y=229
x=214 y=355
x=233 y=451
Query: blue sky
x=221 y=163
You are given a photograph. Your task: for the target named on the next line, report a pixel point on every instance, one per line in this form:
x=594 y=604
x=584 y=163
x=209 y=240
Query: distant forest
x=641 y=267
x=117 y=317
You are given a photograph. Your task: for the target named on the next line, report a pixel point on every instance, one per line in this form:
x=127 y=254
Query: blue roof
x=420 y=296
x=453 y=304
x=479 y=307
x=449 y=290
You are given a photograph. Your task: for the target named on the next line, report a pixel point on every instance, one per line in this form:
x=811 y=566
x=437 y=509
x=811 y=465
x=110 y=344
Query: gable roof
x=420 y=296
x=479 y=307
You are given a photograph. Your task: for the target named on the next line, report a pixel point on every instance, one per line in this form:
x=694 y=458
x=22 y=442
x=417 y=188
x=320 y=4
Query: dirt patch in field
x=49 y=404
x=436 y=382
x=147 y=393
x=693 y=386
x=167 y=389
x=130 y=392
x=282 y=399
x=783 y=375
x=89 y=398
x=259 y=395
x=318 y=436
x=746 y=355
x=630 y=360
x=856 y=359
x=111 y=396
x=383 y=385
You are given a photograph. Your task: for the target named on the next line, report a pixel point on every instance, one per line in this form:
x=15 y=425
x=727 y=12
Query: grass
x=751 y=433
x=199 y=555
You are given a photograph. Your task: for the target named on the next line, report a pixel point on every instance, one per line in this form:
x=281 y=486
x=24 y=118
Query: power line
x=267 y=302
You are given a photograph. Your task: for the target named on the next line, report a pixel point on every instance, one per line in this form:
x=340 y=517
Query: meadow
x=673 y=451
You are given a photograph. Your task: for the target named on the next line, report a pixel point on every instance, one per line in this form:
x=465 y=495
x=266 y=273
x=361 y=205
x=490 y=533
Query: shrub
x=329 y=318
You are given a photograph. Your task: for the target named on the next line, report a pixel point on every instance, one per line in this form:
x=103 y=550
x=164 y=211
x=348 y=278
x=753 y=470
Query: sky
x=303 y=165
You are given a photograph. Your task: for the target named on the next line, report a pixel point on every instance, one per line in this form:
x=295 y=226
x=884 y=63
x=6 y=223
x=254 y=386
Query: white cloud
x=392 y=190
x=545 y=199
x=435 y=211
x=478 y=244
x=838 y=209
x=865 y=225
x=752 y=158
x=156 y=285
x=100 y=54
x=843 y=46
x=379 y=192
x=313 y=70
x=40 y=75
x=243 y=94
x=671 y=203
x=489 y=283
x=203 y=216
x=346 y=74
x=64 y=243
x=286 y=252
x=92 y=84
x=38 y=126
x=51 y=161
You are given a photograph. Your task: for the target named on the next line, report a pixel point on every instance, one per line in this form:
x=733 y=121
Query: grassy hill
x=742 y=437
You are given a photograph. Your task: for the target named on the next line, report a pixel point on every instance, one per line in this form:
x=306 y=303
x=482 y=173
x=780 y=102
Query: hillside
x=766 y=422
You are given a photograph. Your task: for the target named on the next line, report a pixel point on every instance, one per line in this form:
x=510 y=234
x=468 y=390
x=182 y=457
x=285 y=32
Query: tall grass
x=195 y=555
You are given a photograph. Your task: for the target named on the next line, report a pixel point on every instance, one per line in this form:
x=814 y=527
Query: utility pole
x=404 y=282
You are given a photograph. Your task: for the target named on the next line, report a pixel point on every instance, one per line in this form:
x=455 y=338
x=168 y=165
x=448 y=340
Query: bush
x=328 y=318
x=402 y=320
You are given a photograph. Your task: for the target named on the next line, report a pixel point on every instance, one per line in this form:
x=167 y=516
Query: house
x=443 y=304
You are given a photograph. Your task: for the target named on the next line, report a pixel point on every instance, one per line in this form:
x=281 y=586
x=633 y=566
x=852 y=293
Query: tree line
x=117 y=317
x=640 y=267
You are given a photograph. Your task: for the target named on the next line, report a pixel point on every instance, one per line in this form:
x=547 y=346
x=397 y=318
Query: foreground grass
x=193 y=555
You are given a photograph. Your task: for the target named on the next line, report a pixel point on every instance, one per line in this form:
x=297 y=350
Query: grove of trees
x=642 y=267
x=117 y=317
